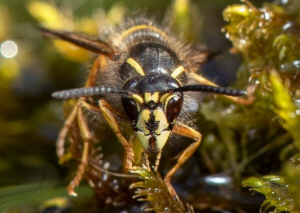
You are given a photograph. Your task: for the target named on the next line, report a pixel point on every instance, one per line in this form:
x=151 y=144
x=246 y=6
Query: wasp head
x=151 y=110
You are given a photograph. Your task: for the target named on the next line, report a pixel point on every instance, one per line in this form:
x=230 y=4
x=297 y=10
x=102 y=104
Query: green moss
x=267 y=38
x=154 y=190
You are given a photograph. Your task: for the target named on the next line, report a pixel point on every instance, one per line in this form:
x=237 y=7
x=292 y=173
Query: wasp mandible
x=142 y=74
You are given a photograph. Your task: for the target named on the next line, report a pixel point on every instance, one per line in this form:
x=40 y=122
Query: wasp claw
x=71 y=191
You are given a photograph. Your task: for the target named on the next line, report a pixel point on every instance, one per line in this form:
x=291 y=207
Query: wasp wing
x=80 y=39
x=201 y=54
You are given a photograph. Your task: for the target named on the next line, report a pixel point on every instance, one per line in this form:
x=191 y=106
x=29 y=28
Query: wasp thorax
x=152 y=111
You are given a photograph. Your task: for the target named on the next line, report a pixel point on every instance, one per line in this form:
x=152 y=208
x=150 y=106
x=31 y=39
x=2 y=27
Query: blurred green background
x=32 y=67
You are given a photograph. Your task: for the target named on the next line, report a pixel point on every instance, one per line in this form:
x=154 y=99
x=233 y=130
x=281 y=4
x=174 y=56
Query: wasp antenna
x=211 y=89
x=86 y=91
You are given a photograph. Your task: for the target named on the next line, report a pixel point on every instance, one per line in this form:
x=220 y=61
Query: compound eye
x=172 y=82
x=131 y=108
x=173 y=107
x=131 y=83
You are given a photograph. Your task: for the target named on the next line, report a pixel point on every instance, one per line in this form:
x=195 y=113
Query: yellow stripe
x=136 y=66
x=141 y=27
x=177 y=71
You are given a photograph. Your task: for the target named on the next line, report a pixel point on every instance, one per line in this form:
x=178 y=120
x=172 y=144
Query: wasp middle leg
x=186 y=131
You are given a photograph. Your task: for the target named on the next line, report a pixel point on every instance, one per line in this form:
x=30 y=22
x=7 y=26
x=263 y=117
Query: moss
x=154 y=190
x=267 y=38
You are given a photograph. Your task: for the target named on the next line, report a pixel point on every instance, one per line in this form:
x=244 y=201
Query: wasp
x=144 y=76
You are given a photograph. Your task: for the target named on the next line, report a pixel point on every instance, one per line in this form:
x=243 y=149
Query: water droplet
x=91 y=183
x=297 y=101
x=256 y=82
x=116 y=187
x=267 y=16
x=104 y=177
x=218 y=180
x=108 y=200
x=228 y=111
x=296 y=63
x=292 y=115
x=106 y=165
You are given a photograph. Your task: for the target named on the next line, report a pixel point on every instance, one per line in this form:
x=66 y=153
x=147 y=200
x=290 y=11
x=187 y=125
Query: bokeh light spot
x=8 y=49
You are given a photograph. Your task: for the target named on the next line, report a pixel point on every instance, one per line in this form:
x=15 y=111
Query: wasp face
x=151 y=112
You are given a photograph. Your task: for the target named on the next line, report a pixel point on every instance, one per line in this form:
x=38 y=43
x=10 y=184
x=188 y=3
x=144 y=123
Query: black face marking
x=152 y=124
x=152 y=105
x=152 y=145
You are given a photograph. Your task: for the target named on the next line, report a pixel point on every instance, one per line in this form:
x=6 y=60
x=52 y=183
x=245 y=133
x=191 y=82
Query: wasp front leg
x=87 y=138
x=98 y=65
x=107 y=112
x=186 y=131
x=238 y=100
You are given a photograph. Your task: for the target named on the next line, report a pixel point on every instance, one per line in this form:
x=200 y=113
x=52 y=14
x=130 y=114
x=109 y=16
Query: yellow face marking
x=162 y=139
x=151 y=97
x=160 y=116
x=144 y=116
x=144 y=140
x=136 y=66
x=141 y=27
x=177 y=71
x=137 y=98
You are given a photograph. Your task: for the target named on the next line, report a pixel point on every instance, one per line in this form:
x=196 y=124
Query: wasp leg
x=98 y=66
x=91 y=81
x=158 y=156
x=238 y=100
x=106 y=110
x=87 y=137
x=146 y=158
x=60 y=150
x=186 y=131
